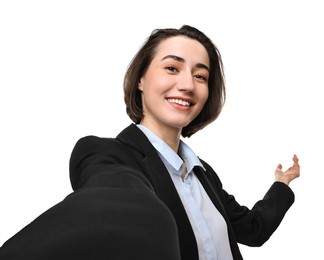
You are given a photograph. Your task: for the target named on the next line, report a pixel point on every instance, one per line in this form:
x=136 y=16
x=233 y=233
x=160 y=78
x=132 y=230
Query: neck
x=169 y=135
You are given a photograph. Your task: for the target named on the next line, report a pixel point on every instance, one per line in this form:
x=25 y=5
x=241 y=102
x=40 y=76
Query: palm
x=290 y=174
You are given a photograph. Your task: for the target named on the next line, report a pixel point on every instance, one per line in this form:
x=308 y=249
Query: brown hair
x=142 y=60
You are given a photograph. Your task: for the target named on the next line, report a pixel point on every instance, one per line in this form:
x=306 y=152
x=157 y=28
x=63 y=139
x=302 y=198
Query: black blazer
x=125 y=206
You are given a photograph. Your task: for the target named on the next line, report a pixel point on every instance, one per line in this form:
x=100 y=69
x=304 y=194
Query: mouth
x=180 y=102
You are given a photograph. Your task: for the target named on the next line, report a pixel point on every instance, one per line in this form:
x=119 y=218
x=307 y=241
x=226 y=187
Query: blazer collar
x=136 y=139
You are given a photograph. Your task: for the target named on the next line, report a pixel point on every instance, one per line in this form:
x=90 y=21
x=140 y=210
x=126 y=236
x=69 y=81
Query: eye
x=201 y=77
x=171 y=68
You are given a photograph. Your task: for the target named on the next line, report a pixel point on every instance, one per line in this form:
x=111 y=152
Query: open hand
x=288 y=175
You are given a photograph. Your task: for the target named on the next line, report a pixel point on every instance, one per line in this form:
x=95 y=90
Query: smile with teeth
x=179 y=102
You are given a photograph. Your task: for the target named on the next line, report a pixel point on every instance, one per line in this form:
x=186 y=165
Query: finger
x=295 y=159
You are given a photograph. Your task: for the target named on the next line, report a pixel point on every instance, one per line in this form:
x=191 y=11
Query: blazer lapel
x=214 y=197
x=160 y=179
x=210 y=190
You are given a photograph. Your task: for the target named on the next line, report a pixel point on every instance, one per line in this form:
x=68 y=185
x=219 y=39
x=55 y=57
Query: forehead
x=184 y=47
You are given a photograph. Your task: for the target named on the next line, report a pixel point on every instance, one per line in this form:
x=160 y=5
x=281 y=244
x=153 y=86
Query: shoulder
x=126 y=138
x=92 y=139
x=91 y=145
x=94 y=143
x=92 y=155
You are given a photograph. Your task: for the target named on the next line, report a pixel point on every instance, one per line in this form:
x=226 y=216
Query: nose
x=186 y=82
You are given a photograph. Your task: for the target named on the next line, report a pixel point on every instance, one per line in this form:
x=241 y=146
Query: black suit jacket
x=125 y=206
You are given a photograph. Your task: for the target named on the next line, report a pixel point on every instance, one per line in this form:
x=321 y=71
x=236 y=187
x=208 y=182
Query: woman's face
x=175 y=86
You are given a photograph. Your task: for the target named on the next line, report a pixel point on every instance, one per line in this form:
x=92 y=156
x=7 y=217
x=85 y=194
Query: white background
x=61 y=70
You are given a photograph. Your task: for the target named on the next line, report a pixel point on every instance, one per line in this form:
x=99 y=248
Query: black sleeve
x=112 y=214
x=253 y=227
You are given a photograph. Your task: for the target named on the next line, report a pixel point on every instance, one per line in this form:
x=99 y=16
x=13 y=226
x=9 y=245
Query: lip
x=182 y=99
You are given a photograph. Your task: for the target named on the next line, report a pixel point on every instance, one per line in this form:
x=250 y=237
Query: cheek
x=203 y=96
x=203 y=100
x=152 y=84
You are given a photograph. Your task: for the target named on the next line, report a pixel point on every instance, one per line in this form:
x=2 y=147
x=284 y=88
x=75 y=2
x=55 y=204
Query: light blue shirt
x=209 y=226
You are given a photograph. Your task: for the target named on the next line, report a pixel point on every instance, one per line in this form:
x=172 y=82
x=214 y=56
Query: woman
x=145 y=194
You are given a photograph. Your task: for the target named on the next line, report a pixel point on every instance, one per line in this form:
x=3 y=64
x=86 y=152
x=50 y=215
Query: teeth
x=180 y=102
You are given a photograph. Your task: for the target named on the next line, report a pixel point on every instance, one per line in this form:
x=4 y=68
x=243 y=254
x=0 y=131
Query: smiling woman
x=146 y=190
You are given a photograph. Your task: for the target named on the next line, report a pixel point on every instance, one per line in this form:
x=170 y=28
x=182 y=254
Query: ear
x=140 y=86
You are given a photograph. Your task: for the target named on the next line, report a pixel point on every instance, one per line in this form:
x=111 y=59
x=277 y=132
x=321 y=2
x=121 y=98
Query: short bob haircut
x=141 y=61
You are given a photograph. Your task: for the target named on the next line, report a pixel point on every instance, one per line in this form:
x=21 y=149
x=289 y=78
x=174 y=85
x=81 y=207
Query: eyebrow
x=177 y=58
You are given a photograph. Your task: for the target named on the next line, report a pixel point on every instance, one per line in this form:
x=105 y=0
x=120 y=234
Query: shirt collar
x=186 y=154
